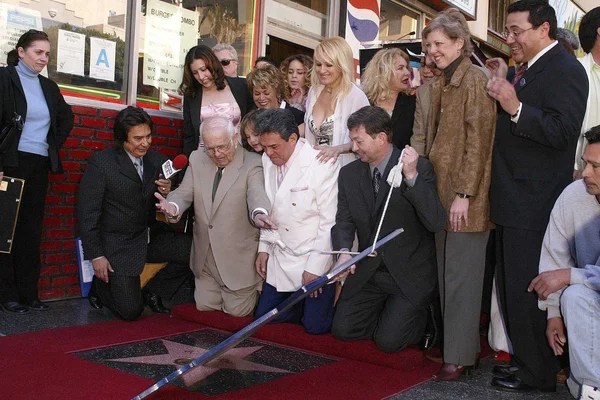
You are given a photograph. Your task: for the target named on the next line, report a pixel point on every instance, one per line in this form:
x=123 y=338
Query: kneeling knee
x=575 y=296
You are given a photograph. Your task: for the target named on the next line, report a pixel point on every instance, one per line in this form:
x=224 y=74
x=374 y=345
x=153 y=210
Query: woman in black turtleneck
x=461 y=130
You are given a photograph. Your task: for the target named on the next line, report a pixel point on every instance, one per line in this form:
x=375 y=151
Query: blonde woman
x=386 y=82
x=332 y=98
x=296 y=69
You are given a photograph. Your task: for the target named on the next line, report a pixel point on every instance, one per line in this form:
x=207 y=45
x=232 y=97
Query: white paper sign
x=15 y=21
x=102 y=59
x=170 y=32
x=70 y=53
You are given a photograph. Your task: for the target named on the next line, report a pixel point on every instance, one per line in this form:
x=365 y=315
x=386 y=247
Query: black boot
x=154 y=301
x=93 y=298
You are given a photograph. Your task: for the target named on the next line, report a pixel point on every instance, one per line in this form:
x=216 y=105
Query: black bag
x=11 y=130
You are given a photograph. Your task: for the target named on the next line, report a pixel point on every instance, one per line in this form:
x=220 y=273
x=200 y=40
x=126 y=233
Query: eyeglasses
x=220 y=149
x=226 y=61
x=515 y=34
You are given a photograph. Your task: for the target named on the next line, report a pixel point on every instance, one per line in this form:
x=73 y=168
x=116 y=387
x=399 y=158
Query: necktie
x=376 y=181
x=139 y=167
x=216 y=181
x=280 y=174
x=520 y=72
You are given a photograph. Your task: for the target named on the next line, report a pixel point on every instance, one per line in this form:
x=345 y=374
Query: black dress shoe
x=515 y=384
x=432 y=331
x=37 y=305
x=93 y=298
x=504 y=370
x=13 y=306
x=155 y=302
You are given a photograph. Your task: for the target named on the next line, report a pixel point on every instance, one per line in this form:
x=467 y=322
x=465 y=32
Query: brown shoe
x=451 y=372
x=561 y=377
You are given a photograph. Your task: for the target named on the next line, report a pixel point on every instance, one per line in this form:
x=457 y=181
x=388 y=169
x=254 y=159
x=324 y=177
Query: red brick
x=84 y=110
x=159 y=141
x=70 y=269
x=105 y=135
x=66 y=210
x=51 y=294
x=59 y=233
x=60 y=258
x=53 y=270
x=93 y=122
x=93 y=145
x=108 y=113
x=166 y=130
x=65 y=281
x=53 y=222
x=72 y=142
x=178 y=143
x=72 y=200
x=51 y=246
x=70 y=222
x=56 y=177
x=80 y=154
x=71 y=166
x=74 y=291
x=162 y=121
x=82 y=132
x=178 y=123
x=65 y=188
x=53 y=199
x=76 y=120
x=168 y=152
x=68 y=245
x=44 y=282
x=62 y=153
x=74 y=177
x=111 y=123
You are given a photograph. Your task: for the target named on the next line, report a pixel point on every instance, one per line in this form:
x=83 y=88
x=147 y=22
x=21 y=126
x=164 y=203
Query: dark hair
x=303 y=59
x=539 y=12
x=588 y=29
x=593 y=135
x=265 y=59
x=277 y=120
x=25 y=41
x=190 y=86
x=126 y=119
x=374 y=119
x=249 y=120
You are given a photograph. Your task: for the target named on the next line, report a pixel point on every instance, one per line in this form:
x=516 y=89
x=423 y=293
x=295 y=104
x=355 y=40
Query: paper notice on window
x=15 y=21
x=170 y=32
x=70 y=54
x=102 y=59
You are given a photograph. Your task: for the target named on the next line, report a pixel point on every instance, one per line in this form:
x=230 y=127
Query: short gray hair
x=453 y=24
x=217 y=124
x=567 y=37
x=225 y=46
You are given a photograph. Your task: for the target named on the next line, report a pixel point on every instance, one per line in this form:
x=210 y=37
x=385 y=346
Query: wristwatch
x=463 y=196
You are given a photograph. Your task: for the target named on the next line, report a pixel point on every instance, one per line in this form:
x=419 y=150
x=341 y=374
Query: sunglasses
x=226 y=61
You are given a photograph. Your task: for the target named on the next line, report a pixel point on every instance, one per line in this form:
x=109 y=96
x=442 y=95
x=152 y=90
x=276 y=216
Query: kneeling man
x=303 y=195
x=386 y=297
x=569 y=281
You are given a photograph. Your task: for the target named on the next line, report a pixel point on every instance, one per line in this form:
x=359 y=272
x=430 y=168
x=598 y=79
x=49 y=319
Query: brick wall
x=92 y=132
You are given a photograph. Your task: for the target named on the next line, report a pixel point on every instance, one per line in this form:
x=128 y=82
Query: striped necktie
x=139 y=166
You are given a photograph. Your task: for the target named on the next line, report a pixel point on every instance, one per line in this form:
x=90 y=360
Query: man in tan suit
x=226 y=185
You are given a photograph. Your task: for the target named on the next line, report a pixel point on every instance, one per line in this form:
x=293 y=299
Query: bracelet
x=463 y=196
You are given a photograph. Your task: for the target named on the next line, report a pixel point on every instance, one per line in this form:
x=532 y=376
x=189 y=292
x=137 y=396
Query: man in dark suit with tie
x=538 y=125
x=116 y=211
x=386 y=297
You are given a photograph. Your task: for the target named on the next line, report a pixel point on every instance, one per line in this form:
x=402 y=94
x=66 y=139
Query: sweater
x=572 y=240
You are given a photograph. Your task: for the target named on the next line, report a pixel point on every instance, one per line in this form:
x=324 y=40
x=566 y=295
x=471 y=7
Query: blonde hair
x=454 y=25
x=266 y=76
x=376 y=77
x=337 y=51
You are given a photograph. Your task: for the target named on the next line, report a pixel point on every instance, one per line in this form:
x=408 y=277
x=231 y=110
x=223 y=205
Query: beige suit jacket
x=224 y=225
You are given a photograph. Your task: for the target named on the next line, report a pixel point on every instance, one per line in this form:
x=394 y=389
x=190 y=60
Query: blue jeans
x=314 y=313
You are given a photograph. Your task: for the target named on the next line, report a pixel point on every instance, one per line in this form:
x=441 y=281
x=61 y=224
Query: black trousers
x=20 y=270
x=122 y=295
x=380 y=312
x=518 y=257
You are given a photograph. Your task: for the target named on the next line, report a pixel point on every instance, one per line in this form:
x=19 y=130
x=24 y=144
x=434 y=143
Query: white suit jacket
x=354 y=101
x=303 y=208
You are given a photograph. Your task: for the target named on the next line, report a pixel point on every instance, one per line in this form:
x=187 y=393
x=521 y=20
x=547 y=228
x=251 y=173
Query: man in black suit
x=386 y=298
x=116 y=211
x=538 y=124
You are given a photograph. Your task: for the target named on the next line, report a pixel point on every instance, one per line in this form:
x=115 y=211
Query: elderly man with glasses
x=228 y=58
x=226 y=186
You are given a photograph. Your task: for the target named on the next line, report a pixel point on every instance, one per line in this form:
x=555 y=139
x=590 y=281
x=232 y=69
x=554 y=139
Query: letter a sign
x=102 y=59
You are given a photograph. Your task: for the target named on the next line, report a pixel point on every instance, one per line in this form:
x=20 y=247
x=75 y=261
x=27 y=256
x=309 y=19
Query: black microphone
x=170 y=168
x=408 y=34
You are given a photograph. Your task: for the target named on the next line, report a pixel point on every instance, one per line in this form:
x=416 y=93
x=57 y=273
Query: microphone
x=408 y=34
x=170 y=168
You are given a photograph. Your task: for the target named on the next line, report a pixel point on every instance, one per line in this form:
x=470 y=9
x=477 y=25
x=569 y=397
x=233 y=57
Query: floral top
x=323 y=134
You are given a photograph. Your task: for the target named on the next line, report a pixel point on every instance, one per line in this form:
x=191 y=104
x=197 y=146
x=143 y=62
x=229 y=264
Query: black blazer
x=298 y=115
x=115 y=208
x=533 y=159
x=403 y=118
x=61 y=116
x=410 y=257
x=191 y=111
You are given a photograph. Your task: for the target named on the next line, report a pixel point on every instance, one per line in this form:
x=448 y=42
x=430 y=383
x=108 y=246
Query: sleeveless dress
x=324 y=133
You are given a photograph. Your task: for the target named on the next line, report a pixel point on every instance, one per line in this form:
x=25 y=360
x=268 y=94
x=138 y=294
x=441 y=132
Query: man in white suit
x=303 y=194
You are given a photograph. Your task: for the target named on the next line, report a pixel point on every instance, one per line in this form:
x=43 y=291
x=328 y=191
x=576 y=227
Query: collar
x=541 y=53
x=450 y=69
x=24 y=70
x=462 y=68
x=383 y=164
x=133 y=158
x=290 y=161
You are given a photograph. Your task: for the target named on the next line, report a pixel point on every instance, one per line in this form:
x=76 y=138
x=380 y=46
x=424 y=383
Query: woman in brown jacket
x=460 y=134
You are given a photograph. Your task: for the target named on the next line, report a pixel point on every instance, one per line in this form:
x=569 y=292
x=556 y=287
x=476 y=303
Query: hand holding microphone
x=170 y=168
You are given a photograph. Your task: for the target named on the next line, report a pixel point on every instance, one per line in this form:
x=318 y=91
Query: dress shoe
x=93 y=298
x=514 y=384
x=435 y=355
x=37 y=305
x=505 y=370
x=155 y=303
x=451 y=372
x=13 y=306
x=432 y=331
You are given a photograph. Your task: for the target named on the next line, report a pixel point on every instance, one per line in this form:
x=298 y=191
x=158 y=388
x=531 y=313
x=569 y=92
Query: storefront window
x=316 y=5
x=168 y=31
x=397 y=22
x=88 y=50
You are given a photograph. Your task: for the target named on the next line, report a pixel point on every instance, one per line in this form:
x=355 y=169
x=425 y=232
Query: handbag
x=12 y=129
